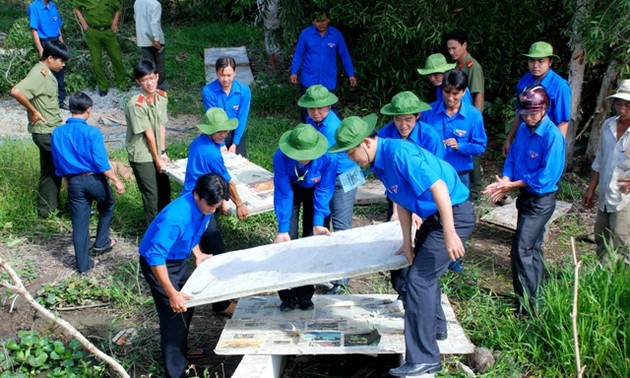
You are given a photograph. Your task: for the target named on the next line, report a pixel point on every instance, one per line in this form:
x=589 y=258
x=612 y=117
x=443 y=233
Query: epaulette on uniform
x=162 y=93
x=140 y=100
x=44 y=72
x=469 y=63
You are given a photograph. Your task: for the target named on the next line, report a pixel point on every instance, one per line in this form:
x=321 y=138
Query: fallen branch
x=19 y=288
x=576 y=284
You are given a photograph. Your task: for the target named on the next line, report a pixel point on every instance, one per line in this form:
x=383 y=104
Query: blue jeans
x=82 y=190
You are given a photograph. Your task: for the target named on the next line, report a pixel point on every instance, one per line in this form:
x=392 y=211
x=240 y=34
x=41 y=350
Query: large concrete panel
x=507 y=216
x=243 y=70
x=297 y=262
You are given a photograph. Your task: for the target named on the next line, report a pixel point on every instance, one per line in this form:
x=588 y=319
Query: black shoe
x=306 y=304
x=287 y=306
x=103 y=92
x=64 y=106
x=408 y=369
x=441 y=336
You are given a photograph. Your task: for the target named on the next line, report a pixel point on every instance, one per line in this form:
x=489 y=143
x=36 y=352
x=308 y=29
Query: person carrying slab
x=304 y=177
x=418 y=182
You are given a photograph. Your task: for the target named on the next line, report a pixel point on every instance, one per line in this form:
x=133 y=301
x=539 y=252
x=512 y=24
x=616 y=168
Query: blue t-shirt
x=408 y=171
x=45 y=19
x=328 y=127
x=78 y=148
x=558 y=91
x=536 y=157
x=204 y=156
x=316 y=56
x=236 y=104
x=318 y=173
x=466 y=126
x=422 y=134
x=174 y=232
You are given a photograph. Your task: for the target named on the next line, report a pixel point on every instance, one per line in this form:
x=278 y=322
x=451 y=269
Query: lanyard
x=297 y=175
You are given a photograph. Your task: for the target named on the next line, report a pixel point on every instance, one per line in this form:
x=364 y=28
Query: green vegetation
x=33 y=355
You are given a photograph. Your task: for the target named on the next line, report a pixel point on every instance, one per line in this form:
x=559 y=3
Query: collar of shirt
x=314 y=31
x=463 y=109
x=216 y=87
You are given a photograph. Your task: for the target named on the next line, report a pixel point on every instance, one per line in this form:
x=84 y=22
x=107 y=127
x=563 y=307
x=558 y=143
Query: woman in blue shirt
x=304 y=177
x=232 y=96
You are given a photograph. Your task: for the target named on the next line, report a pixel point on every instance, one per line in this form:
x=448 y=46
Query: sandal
x=100 y=251
x=195 y=353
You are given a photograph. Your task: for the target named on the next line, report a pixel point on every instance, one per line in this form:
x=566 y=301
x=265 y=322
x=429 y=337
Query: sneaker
x=287 y=306
x=306 y=304
x=456 y=266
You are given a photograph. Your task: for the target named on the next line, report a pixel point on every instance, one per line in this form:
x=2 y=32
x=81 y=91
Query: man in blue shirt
x=533 y=166
x=164 y=252
x=304 y=176
x=316 y=57
x=418 y=182
x=540 y=58
x=204 y=156
x=318 y=101
x=45 y=23
x=459 y=123
x=79 y=155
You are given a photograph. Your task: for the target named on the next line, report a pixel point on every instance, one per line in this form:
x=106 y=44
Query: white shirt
x=612 y=162
x=148 y=15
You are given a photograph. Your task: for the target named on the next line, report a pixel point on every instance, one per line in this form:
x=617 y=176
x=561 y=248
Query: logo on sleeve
x=236 y=107
x=316 y=179
x=394 y=189
x=331 y=45
x=533 y=155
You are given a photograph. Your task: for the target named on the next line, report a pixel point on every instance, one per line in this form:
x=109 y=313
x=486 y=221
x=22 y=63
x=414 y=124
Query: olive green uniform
x=141 y=115
x=40 y=87
x=99 y=36
x=476 y=83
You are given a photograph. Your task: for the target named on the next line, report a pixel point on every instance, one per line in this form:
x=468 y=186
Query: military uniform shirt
x=236 y=104
x=78 y=148
x=422 y=135
x=40 y=87
x=536 y=157
x=316 y=57
x=45 y=19
x=318 y=173
x=558 y=91
x=97 y=12
x=328 y=127
x=473 y=70
x=466 y=126
x=174 y=232
x=142 y=114
x=204 y=156
x=408 y=171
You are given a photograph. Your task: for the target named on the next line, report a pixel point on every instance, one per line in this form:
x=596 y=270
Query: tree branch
x=19 y=288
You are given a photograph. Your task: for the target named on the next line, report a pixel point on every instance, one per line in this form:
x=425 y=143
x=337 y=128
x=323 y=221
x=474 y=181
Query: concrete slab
x=507 y=216
x=243 y=70
x=253 y=182
x=261 y=366
x=332 y=327
x=373 y=191
x=297 y=262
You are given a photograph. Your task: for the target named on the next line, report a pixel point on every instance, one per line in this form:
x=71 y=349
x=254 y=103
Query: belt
x=49 y=39
x=101 y=28
x=80 y=174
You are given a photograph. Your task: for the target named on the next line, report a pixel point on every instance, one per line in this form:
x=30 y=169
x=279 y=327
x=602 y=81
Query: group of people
x=426 y=157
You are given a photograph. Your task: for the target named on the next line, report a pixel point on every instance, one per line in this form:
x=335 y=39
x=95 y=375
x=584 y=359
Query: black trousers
x=212 y=243
x=241 y=148
x=302 y=198
x=528 y=265
x=173 y=326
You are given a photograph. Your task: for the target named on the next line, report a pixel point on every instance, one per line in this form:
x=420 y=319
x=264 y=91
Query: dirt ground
x=54 y=260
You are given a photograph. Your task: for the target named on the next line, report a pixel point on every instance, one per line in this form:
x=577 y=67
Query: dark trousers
x=212 y=243
x=528 y=265
x=157 y=57
x=49 y=183
x=241 y=148
x=82 y=190
x=424 y=316
x=59 y=75
x=475 y=178
x=155 y=188
x=97 y=41
x=173 y=326
x=302 y=198
x=398 y=277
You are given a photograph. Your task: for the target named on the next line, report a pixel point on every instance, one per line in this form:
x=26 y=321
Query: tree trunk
x=602 y=111
x=576 y=79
